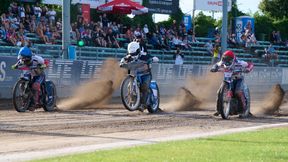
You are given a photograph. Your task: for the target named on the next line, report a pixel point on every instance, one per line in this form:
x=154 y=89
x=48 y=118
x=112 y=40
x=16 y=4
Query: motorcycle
x=23 y=94
x=227 y=102
x=130 y=91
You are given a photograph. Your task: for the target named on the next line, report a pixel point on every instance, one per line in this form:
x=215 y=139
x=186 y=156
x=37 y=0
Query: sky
x=246 y=6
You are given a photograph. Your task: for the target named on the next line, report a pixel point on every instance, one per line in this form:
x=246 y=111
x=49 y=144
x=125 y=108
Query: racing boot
x=242 y=99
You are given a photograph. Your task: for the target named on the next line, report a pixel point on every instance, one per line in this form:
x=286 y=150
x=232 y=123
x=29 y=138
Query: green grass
x=263 y=145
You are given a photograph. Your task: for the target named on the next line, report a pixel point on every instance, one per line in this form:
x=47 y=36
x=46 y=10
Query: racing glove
x=214 y=68
x=14 y=66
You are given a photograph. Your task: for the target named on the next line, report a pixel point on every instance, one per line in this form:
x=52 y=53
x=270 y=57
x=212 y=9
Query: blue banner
x=187 y=21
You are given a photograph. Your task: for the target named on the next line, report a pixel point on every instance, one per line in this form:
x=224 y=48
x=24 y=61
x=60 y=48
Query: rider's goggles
x=227 y=61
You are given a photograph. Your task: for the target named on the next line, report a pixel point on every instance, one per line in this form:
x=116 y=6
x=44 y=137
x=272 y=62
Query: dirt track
x=36 y=131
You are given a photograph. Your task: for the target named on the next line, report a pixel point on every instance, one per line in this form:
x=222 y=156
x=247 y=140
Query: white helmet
x=133 y=48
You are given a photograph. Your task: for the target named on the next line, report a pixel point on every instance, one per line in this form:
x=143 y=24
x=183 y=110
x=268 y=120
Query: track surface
x=39 y=131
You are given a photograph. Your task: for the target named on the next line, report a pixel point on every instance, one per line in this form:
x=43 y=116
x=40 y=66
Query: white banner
x=211 y=5
x=53 y=2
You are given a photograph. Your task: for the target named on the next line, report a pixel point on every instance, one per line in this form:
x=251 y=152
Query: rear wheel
x=154 y=100
x=49 y=99
x=22 y=96
x=224 y=102
x=130 y=93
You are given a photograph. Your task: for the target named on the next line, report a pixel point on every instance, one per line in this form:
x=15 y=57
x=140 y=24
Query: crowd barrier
x=67 y=75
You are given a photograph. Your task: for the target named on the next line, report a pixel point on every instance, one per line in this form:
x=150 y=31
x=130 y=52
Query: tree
x=263 y=24
x=277 y=9
x=4 y=5
x=203 y=24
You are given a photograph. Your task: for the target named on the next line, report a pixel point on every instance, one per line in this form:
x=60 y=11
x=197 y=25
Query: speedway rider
x=34 y=67
x=139 y=57
x=231 y=63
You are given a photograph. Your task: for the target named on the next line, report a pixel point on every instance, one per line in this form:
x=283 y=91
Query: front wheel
x=50 y=95
x=154 y=98
x=130 y=93
x=224 y=102
x=22 y=95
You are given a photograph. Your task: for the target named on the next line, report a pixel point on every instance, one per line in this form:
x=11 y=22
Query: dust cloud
x=197 y=94
x=272 y=102
x=96 y=92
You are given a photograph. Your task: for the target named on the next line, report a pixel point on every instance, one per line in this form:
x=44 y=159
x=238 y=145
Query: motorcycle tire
x=50 y=95
x=19 y=101
x=155 y=101
x=128 y=81
x=224 y=107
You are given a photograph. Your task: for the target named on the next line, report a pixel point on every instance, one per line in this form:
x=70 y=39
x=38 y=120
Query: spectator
x=216 y=54
x=33 y=24
x=145 y=30
x=13 y=9
x=26 y=23
x=154 y=41
x=86 y=36
x=28 y=10
x=273 y=37
x=21 y=11
x=278 y=37
x=232 y=41
x=55 y=34
x=178 y=57
x=270 y=55
x=11 y=36
x=40 y=32
x=104 y=20
x=137 y=32
x=115 y=29
x=44 y=11
x=209 y=47
x=111 y=40
x=3 y=33
x=51 y=15
x=37 y=12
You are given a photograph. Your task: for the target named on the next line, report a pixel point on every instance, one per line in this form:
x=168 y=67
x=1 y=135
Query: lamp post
x=224 y=26
x=66 y=27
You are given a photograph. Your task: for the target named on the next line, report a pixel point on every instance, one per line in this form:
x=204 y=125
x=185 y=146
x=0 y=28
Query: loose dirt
x=272 y=102
x=96 y=92
x=196 y=94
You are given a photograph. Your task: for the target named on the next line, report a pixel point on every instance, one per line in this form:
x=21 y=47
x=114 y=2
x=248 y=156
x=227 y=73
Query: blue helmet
x=25 y=52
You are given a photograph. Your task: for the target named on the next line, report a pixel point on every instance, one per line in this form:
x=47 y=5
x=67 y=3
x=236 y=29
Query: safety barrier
x=67 y=74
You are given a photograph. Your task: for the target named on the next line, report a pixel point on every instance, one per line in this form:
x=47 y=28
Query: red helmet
x=228 y=58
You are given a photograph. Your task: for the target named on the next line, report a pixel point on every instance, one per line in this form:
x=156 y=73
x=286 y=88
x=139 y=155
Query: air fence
x=68 y=74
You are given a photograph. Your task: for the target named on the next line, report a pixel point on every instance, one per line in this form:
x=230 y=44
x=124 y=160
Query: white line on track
x=24 y=156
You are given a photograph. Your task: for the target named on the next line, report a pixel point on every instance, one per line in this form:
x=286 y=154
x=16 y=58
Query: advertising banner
x=69 y=74
x=53 y=2
x=92 y=3
x=187 y=21
x=240 y=25
x=211 y=5
x=162 y=6
x=86 y=12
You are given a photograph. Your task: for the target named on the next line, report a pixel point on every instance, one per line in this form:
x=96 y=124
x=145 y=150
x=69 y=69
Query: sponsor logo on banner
x=211 y=5
x=2 y=70
x=162 y=6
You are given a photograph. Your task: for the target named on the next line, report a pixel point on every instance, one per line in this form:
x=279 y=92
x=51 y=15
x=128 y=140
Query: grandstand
x=45 y=36
x=197 y=54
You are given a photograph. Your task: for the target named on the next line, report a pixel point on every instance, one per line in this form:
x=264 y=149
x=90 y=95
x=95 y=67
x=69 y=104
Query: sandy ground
x=30 y=135
x=21 y=133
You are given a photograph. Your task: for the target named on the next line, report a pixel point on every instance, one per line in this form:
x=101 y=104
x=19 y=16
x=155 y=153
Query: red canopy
x=123 y=7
